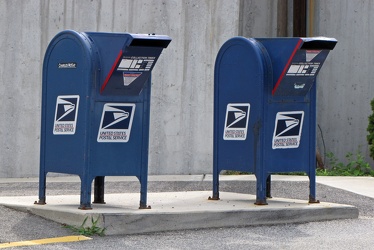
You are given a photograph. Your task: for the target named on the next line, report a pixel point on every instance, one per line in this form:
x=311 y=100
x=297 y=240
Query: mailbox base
x=40 y=202
x=313 y=200
x=215 y=197
x=261 y=202
x=83 y=207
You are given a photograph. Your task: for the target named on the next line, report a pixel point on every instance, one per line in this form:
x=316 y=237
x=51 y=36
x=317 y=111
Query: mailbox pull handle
x=319 y=45
x=138 y=42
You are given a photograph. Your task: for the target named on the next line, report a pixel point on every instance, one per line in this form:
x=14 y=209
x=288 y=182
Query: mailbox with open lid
x=96 y=108
x=265 y=108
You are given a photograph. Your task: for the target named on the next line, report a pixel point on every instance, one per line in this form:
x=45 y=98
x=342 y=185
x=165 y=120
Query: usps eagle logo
x=288 y=129
x=116 y=122
x=66 y=115
x=236 y=121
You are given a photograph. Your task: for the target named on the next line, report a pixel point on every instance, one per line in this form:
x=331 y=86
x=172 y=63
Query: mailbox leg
x=312 y=151
x=261 y=183
x=143 y=192
x=85 y=202
x=261 y=178
x=42 y=171
x=216 y=171
x=312 y=187
x=143 y=178
x=215 y=186
x=99 y=190
x=260 y=193
x=268 y=187
x=42 y=187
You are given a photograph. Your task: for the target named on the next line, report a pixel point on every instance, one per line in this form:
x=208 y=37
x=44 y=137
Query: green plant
x=88 y=230
x=234 y=172
x=355 y=165
x=370 y=129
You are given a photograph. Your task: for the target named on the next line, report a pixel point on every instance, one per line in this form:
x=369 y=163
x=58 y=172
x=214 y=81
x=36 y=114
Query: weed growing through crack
x=87 y=230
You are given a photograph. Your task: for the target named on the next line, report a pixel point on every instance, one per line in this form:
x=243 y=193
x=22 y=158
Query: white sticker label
x=311 y=54
x=116 y=122
x=128 y=78
x=303 y=69
x=136 y=63
x=236 y=122
x=287 y=131
x=66 y=115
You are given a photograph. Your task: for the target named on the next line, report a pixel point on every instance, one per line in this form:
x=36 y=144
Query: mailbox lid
x=126 y=61
x=296 y=62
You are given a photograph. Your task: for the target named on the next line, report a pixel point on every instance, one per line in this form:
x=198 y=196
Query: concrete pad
x=362 y=185
x=179 y=210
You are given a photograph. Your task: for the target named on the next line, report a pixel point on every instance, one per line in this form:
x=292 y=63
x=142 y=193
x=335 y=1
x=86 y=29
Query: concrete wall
x=182 y=93
x=346 y=81
x=182 y=97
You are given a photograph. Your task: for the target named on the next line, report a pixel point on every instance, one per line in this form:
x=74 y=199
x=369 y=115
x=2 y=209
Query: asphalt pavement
x=357 y=192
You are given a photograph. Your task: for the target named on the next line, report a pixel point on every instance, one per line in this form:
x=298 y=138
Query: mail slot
x=96 y=107
x=265 y=108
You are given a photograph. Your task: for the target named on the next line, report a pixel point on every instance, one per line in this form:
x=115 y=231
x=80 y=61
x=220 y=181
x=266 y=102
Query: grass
x=87 y=230
x=354 y=165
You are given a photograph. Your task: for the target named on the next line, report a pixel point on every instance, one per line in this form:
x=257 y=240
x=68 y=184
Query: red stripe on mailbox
x=111 y=72
x=286 y=67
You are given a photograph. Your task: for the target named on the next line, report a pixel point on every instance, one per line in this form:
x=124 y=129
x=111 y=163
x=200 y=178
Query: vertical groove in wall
x=310 y=19
x=185 y=105
x=73 y=14
x=241 y=18
x=44 y=27
x=299 y=18
x=282 y=15
x=98 y=16
x=113 y=15
x=130 y=16
x=64 y=15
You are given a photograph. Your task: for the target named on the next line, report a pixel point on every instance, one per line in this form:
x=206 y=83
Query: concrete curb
x=179 y=211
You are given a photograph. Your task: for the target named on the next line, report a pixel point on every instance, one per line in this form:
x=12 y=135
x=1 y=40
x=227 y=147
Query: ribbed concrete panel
x=345 y=86
x=182 y=98
x=183 y=79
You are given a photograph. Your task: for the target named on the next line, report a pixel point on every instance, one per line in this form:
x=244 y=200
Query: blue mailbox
x=265 y=108
x=96 y=108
